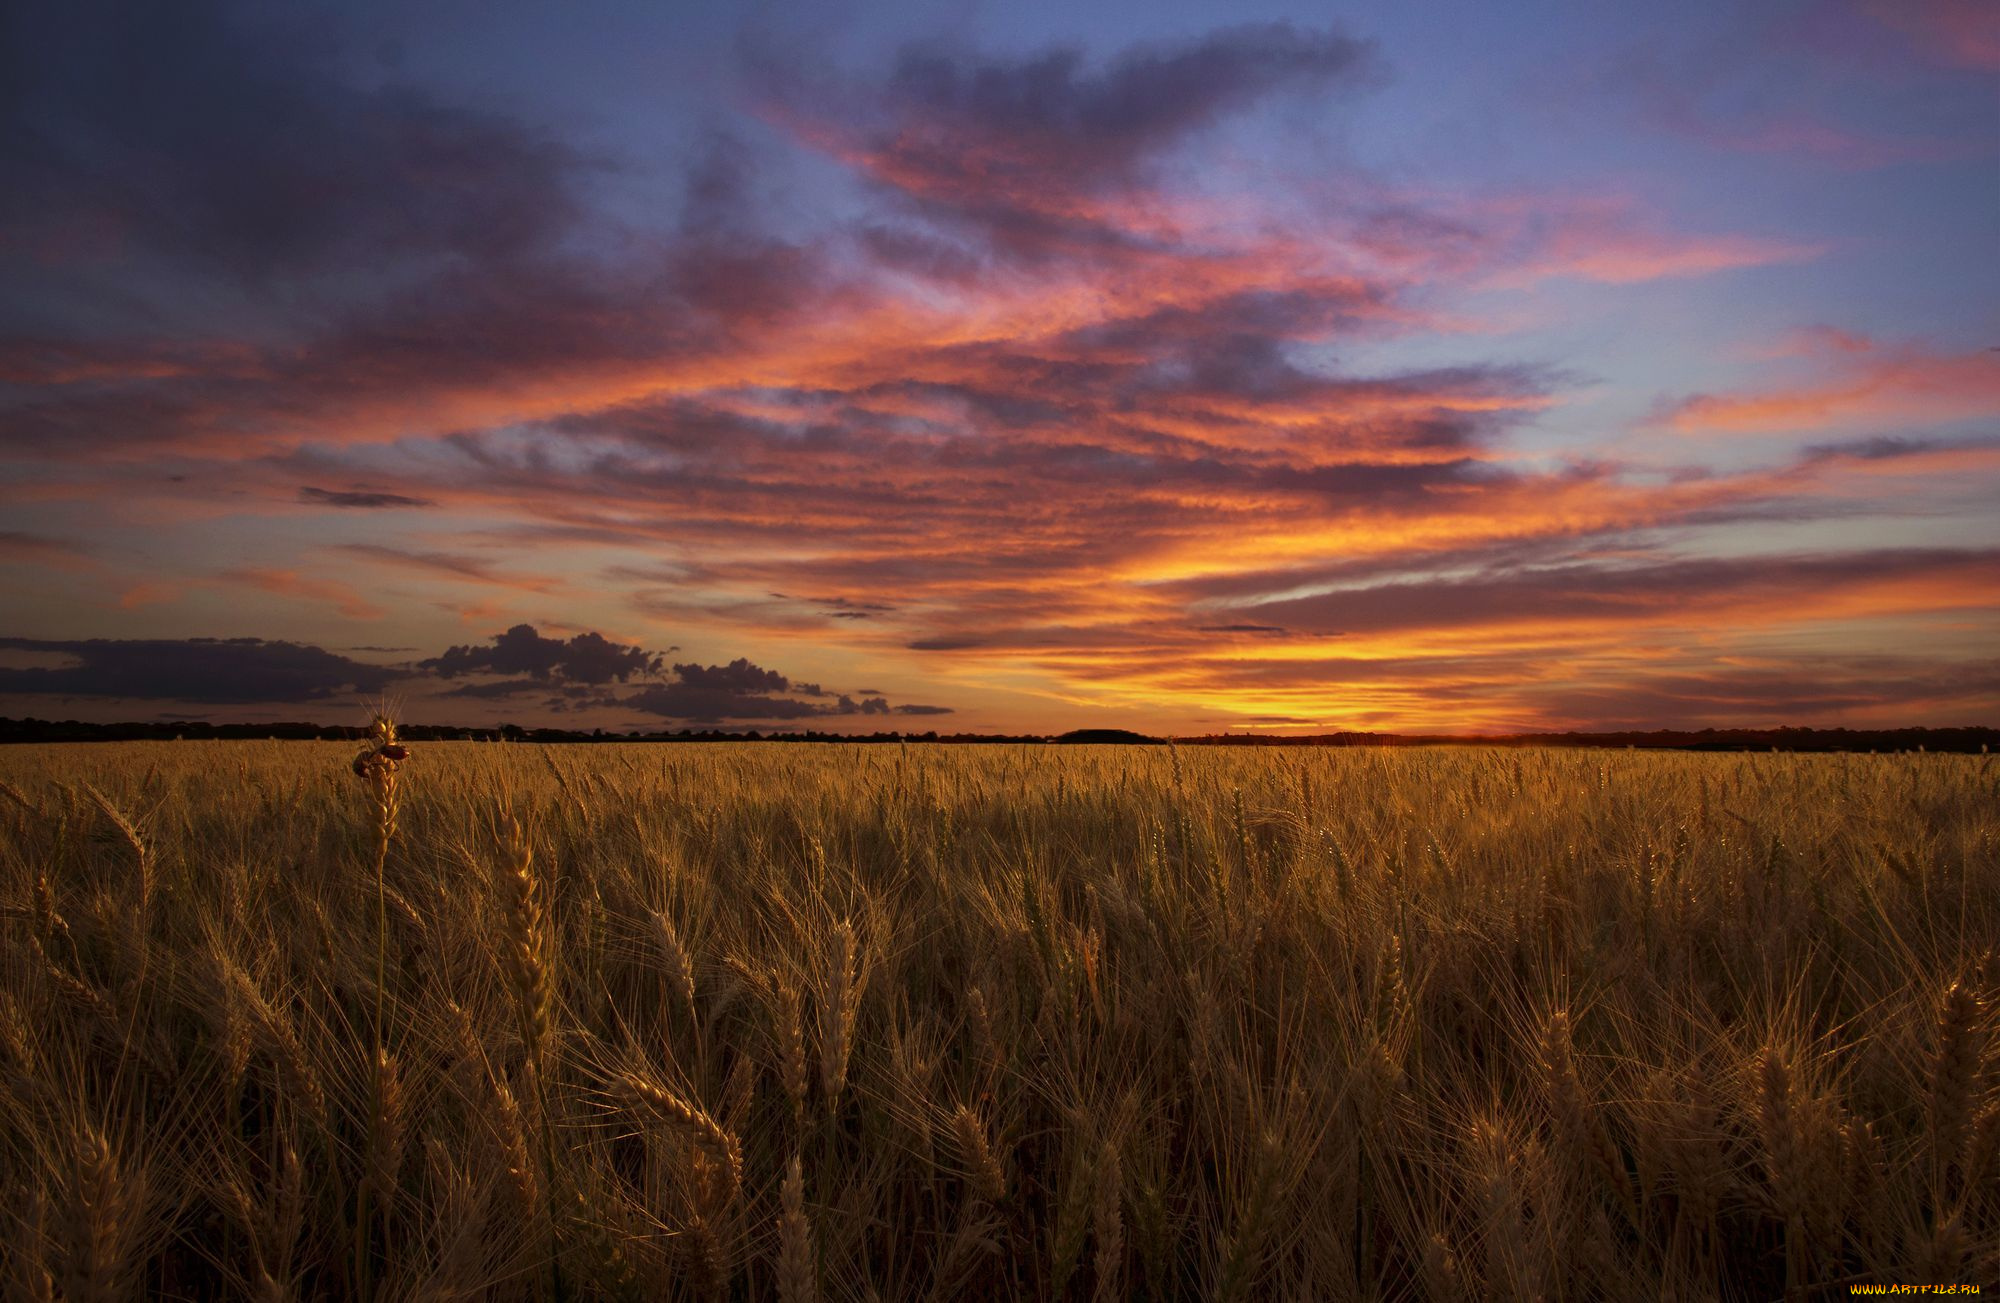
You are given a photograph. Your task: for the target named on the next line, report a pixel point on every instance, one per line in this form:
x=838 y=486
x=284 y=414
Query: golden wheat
x=806 y=1021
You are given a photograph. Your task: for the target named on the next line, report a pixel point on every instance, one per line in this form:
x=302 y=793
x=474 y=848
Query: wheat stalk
x=527 y=942
x=1954 y=1069
x=680 y=970
x=840 y=999
x=1786 y=1161
x=1106 y=1225
x=387 y=1129
x=706 y=1261
x=1243 y=1245
x=984 y=1173
x=100 y=1225
x=797 y=1280
x=721 y=1145
x=377 y=766
x=130 y=831
x=1579 y=1127
x=793 y=1028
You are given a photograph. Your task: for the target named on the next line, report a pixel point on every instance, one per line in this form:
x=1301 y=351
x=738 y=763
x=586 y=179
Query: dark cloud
x=557 y=674
x=225 y=138
x=586 y=658
x=1805 y=689
x=1006 y=147
x=842 y=608
x=17 y=546
x=1266 y=630
x=739 y=676
x=274 y=250
x=358 y=498
x=1619 y=592
x=1053 y=107
x=498 y=688
x=230 y=671
x=1889 y=448
x=442 y=564
x=1238 y=331
x=741 y=690
x=707 y=705
x=930 y=255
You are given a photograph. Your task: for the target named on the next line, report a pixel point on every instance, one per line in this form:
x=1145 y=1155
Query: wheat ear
x=841 y=998
x=796 y=1278
x=1106 y=1224
x=98 y=1234
x=724 y=1150
x=985 y=1175
x=1954 y=1068
x=680 y=969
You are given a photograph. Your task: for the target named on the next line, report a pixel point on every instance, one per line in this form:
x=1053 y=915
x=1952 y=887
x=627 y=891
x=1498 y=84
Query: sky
x=1002 y=367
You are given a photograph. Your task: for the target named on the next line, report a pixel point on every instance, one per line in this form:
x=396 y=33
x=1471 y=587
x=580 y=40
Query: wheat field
x=929 y=1022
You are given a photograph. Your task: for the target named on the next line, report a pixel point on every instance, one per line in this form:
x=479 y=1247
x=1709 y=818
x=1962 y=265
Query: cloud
x=581 y=668
x=1612 y=240
x=236 y=134
x=744 y=691
x=583 y=672
x=498 y=689
x=20 y=548
x=1904 y=453
x=357 y=498
x=445 y=565
x=289 y=583
x=278 y=252
x=1857 y=379
x=1609 y=595
x=1033 y=152
x=220 y=672
x=688 y=701
x=739 y=676
x=1883 y=690
x=1731 y=94
x=1958 y=33
x=587 y=658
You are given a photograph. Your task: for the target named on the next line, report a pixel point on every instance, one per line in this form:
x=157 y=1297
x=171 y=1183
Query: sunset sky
x=1002 y=367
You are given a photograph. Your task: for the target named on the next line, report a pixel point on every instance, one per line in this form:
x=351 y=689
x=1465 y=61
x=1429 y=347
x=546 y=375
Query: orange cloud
x=1860 y=381
x=150 y=593
x=289 y=583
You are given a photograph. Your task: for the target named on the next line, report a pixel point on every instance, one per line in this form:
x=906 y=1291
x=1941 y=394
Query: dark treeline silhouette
x=70 y=730
x=1708 y=739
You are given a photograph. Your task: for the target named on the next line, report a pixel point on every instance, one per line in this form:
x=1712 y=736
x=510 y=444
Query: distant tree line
x=1709 y=739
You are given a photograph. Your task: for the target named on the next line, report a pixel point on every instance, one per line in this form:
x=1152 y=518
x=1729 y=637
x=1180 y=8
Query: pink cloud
x=1963 y=33
x=1857 y=380
x=289 y=583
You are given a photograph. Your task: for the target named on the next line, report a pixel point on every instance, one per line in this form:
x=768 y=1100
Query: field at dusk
x=884 y=650
x=795 y=1022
